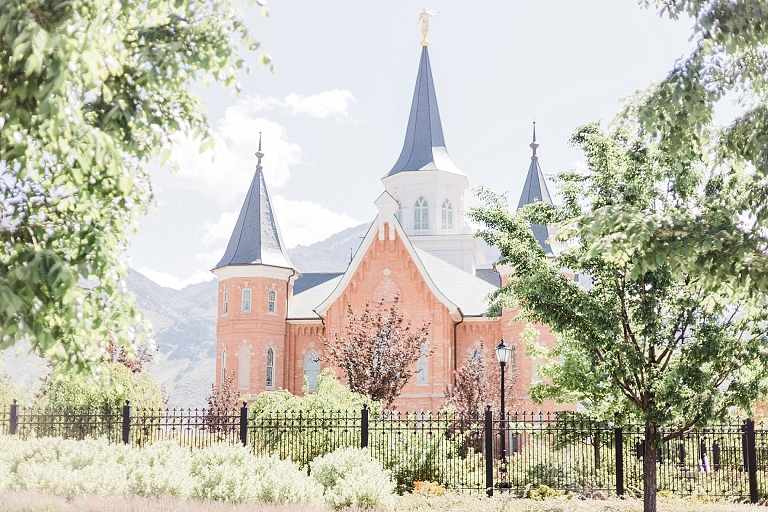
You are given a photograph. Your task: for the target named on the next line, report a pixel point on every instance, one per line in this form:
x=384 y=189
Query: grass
x=42 y=502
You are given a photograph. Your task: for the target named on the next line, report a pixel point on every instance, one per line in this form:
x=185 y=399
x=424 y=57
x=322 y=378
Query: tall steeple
x=424 y=146
x=256 y=238
x=535 y=189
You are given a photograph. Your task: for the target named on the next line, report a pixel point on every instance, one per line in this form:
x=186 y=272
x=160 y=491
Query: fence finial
x=127 y=402
x=365 y=406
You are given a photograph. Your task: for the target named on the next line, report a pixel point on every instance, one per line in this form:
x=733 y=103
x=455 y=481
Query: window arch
x=223 y=366
x=270 y=368
x=447 y=216
x=421 y=214
x=272 y=301
x=244 y=367
x=421 y=366
x=311 y=370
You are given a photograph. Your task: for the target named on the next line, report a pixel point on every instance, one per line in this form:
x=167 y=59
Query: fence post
x=751 y=460
x=127 y=422
x=618 y=434
x=488 y=451
x=364 y=427
x=244 y=424
x=14 y=423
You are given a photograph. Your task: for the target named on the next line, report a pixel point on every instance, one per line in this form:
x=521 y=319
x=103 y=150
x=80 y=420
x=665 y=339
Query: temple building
x=271 y=316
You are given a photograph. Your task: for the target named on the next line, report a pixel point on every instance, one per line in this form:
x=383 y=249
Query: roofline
x=377 y=228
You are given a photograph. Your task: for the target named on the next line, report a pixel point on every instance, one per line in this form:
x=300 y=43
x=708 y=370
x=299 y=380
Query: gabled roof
x=424 y=146
x=468 y=292
x=535 y=189
x=309 y=280
x=256 y=238
x=461 y=292
x=303 y=304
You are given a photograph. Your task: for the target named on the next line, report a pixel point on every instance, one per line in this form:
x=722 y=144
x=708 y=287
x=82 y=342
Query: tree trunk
x=649 y=469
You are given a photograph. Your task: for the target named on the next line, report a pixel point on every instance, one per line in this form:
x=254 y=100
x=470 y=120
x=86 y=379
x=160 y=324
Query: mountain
x=330 y=255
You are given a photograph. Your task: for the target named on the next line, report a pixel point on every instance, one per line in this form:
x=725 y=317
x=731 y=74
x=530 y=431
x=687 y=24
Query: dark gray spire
x=256 y=239
x=424 y=146
x=535 y=189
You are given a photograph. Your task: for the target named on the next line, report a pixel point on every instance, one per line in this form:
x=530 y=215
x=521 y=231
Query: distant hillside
x=330 y=255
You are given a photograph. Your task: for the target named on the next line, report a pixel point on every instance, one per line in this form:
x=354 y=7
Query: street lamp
x=503 y=354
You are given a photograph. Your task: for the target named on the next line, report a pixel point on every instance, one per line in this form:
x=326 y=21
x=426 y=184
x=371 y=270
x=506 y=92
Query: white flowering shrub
x=230 y=473
x=65 y=468
x=221 y=472
x=160 y=469
x=350 y=477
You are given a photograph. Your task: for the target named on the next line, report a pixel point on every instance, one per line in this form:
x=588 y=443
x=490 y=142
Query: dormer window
x=246 y=304
x=447 y=215
x=272 y=302
x=420 y=215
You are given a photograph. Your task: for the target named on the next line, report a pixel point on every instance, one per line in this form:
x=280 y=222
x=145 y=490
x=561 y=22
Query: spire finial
x=259 y=154
x=533 y=145
x=424 y=20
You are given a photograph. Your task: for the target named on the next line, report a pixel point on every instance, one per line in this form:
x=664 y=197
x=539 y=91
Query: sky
x=333 y=113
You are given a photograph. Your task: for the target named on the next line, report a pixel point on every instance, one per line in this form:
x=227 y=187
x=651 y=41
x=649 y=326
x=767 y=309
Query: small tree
x=477 y=383
x=471 y=391
x=377 y=352
x=657 y=345
x=222 y=405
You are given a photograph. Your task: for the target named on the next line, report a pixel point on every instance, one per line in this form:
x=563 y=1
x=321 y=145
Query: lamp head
x=503 y=352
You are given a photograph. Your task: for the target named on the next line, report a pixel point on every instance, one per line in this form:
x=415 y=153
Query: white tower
x=428 y=186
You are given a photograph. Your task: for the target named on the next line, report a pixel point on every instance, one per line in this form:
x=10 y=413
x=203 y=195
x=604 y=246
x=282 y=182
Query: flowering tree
x=477 y=383
x=222 y=405
x=377 y=351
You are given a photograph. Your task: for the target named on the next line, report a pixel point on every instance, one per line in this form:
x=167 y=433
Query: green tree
x=66 y=389
x=91 y=91
x=721 y=235
x=656 y=346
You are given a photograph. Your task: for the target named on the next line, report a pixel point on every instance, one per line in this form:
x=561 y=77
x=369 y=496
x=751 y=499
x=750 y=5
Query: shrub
x=221 y=472
x=350 y=477
x=230 y=473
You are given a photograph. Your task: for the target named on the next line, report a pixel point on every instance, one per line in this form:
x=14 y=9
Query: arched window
x=421 y=366
x=420 y=214
x=447 y=215
x=246 y=304
x=244 y=367
x=311 y=370
x=272 y=301
x=223 y=366
x=270 y=368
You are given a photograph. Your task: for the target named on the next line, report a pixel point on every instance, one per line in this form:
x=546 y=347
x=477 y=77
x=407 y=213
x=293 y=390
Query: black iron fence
x=486 y=453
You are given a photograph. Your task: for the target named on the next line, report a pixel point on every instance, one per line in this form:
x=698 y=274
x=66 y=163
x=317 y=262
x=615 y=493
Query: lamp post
x=503 y=353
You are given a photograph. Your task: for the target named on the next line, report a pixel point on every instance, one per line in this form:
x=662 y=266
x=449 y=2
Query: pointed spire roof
x=424 y=146
x=256 y=239
x=535 y=189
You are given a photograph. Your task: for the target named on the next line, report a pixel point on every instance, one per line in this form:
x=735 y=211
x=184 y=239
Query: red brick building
x=271 y=316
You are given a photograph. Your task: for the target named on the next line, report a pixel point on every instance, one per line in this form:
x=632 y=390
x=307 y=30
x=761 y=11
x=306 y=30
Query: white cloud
x=305 y=222
x=221 y=229
x=171 y=281
x=226 y=178
x=322 y=105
